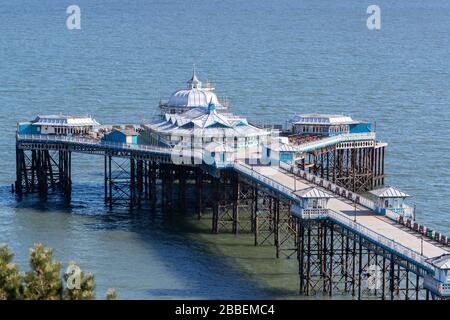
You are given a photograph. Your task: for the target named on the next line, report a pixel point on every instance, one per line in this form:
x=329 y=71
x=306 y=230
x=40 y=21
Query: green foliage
x=43 y=281
x=10 y=277
x=80 y=286
x=111 y=294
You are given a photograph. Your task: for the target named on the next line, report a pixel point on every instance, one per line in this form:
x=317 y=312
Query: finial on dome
x=194 y=83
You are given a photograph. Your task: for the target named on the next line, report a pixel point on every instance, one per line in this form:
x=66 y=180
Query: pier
x=334 y=246
x=300 y=191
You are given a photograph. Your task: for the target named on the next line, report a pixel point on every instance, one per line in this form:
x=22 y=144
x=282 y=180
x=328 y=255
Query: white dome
x=191 y=98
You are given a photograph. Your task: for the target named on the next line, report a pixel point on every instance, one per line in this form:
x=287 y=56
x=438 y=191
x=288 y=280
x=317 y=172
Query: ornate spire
x=194 y=83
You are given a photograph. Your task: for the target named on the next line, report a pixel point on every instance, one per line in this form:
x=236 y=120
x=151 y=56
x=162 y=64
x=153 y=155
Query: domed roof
x=194 y=96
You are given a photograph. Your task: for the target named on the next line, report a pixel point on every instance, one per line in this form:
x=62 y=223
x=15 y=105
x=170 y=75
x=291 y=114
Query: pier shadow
x=191 y=255
x=359 y=213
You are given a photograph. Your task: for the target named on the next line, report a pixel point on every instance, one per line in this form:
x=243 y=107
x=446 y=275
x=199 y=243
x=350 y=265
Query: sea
x=270 y=60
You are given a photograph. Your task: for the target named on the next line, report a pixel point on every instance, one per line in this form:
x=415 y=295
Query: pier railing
x=180 y=155
x=314 y=213
x=442 y=288
x=288 y=192
x=90 y=142
x=340 y=218
x=345 y=137
x=340 y=191
x=413 y=255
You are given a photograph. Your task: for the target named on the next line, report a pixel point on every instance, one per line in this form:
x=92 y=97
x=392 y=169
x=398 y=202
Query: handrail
x=176 y=152
x=442 y=288
x=337 y=189
x=311 y=213
x=317 y=142
x=328 y=185
x=412 y=254
x=336 y=139
x=271 y=182
x=90 y=141
x=358 y=136
x=339 y=217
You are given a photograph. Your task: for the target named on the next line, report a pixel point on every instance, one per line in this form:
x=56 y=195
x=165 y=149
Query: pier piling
x=333 y=257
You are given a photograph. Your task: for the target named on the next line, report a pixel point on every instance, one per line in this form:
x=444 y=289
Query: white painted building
x=197 y=127
x=59 y=125
x=327 y=125
x=194 y=96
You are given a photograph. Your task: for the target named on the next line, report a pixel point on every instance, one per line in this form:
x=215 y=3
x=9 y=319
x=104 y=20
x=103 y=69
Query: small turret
x=194 y=83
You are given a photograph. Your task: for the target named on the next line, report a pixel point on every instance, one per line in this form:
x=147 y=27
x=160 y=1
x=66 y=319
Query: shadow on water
x=199 y=263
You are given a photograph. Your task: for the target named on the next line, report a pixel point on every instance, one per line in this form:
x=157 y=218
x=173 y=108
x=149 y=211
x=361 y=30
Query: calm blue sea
x=272 y=59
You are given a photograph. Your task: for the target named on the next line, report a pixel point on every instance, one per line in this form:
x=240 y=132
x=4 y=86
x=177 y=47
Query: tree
x=80 y=286
x=111 y=294
x=10 y=277
x=44 y=280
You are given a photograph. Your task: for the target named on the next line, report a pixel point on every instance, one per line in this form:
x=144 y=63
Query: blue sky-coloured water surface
x=272 y=59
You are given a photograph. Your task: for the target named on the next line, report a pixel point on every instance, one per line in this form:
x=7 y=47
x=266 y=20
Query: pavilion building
x=327 y=125
x=194 y=96
x=223 y=135
x=59 y=125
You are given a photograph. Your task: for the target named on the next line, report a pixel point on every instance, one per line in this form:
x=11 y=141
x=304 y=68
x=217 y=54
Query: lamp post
x=421 y=245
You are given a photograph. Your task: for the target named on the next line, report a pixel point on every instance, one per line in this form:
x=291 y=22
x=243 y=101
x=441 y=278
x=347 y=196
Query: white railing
x=375 y=236
x=311 y=213
x=442 y=288
x=90 y=142
x=339 y=217
x=87 y=141
x=180 y=155
x=358 y=136
x=336 y=139
x=345 y=220
x=56 y=138
x=307 y=145
x=340 y=191
x=240 y=166
x=404 y=211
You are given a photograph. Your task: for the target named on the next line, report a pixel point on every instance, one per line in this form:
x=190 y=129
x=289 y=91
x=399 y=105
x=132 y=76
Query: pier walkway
x=378 y=227
x=383 y=234
x=329 y=141
x=355 y=214
x=90 y=145
x=362 y=219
